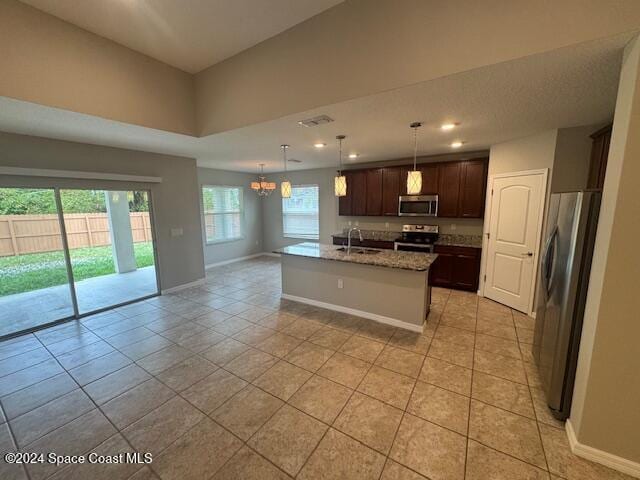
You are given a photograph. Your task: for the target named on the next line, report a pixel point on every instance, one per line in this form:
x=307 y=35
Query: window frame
x=241 y=212
x=297 y=237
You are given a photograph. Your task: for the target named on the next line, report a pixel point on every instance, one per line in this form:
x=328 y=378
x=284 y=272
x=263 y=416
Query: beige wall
x=51 y=62
x=362 y=47
x=605 y=412
x=252 y=226
x=365 y=288
x=572 y=158
x=175 y=200
x=355 y=49
x=272 y=207
x=529 y=153
x=536 y=152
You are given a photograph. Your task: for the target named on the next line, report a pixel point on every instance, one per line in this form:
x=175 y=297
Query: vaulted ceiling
x=191 y=35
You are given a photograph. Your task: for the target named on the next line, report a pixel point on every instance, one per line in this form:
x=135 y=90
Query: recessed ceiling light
x=353 y=155
x=319 y=145
x=457 y=144
x=449 y=126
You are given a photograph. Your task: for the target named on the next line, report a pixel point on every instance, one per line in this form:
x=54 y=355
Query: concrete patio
x=30 y=309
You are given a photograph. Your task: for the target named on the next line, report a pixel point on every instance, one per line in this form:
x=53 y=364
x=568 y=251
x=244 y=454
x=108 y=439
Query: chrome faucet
x=349 y=238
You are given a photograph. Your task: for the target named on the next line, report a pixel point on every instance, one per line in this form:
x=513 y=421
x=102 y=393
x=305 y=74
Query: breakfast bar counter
x=382 y=285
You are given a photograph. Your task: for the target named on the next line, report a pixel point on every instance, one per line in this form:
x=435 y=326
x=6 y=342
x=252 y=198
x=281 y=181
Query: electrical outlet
x=349 y=222
x=176 y=232
x=340 y=283
x=357 y=223
x=453 y=226
x=386 y=224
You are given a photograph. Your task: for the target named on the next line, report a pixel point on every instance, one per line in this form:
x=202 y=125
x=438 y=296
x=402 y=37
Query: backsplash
x=443 y=238
x=453 y=226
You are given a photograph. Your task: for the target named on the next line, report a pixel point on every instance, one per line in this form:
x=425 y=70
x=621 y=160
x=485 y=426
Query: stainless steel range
x=417 y=238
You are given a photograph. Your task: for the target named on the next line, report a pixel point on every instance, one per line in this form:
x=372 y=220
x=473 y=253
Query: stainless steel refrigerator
x=563 y=279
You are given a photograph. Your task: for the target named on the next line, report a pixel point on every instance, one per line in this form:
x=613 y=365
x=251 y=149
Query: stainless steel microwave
x=418 y=206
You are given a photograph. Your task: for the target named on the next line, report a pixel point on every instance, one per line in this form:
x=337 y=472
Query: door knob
x=528 y=254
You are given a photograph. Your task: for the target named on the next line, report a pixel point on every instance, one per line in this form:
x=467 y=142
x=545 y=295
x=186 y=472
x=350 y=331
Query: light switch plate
x=340 y=283
x=176 y=232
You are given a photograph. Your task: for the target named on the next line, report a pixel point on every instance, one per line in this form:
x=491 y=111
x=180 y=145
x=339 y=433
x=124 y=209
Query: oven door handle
x=423 y=246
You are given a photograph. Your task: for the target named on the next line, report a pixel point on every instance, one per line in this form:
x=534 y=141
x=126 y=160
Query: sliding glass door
x=34 y=281
x=66 y=253
x=110 y=245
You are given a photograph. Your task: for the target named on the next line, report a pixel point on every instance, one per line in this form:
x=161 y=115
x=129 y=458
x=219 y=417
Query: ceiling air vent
x=315 y=121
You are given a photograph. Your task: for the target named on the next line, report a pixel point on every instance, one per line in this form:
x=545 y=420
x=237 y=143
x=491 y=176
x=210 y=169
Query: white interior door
x=517 y=206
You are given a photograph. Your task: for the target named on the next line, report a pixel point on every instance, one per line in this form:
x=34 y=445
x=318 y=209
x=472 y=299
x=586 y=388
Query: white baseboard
x=184 y=286
x=359 y=313
x=239 y=259
x=272 y=254
x=598 y=456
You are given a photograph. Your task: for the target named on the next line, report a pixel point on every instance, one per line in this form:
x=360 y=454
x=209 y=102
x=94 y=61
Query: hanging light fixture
x=285 y=186
x=340 y=181
x=262 y=187
x=414 y=177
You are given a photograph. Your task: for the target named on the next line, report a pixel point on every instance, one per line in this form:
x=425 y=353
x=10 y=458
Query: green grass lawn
x=24 y=273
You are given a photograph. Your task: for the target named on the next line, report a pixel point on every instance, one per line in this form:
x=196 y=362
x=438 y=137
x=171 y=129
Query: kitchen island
x=387 y=286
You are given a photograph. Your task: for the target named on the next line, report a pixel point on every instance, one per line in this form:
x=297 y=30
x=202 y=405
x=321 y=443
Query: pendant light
x=262 y=187
x=340 y=181
x=285 y=186
x=414 y=177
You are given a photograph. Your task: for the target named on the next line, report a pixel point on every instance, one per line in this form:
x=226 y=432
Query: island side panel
x=389 y=295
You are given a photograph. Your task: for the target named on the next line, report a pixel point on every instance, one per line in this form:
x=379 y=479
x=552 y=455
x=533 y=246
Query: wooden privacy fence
x=24 y=234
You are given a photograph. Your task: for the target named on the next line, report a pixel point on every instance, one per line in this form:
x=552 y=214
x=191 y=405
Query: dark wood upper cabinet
x=390 y=190
x=344 y=203
x=429 y=179
x=473 y=176
x=448 y=189
x=599 y=154
x=374 y=191
x=358 y=192
x=460 y=186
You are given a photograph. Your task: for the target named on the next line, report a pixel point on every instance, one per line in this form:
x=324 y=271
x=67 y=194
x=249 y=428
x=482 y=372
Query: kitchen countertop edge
x=397 y=260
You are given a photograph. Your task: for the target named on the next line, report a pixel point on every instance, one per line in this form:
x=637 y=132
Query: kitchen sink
x=359 y=251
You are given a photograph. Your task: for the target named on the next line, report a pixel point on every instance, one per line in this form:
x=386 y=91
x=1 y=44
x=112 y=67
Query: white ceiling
x=189 y=34
x=568 y=87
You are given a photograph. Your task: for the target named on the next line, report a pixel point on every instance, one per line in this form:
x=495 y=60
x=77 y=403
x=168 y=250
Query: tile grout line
x=404 y=411
x=340 y=413
x=118 y=431
x=473 y=362
x=15 y=441
x=351 y=333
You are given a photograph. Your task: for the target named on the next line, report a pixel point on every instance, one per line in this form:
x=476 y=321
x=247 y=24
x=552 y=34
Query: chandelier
x=262 y=187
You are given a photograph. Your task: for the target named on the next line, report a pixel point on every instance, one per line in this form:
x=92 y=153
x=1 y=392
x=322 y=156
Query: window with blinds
x=223 y=213
x=300 y=213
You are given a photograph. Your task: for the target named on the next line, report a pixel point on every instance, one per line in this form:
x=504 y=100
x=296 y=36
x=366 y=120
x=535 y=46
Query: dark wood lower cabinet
x=355 y=242
x=456 y=267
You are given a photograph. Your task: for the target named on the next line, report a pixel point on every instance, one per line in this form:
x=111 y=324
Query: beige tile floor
x=226 y=381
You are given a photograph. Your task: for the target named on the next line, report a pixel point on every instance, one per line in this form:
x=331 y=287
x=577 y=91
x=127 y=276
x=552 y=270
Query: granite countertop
x=418 y=262
x=447 y=239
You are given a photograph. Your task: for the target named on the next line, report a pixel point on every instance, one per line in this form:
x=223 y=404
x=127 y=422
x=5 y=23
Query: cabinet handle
x=528 y=254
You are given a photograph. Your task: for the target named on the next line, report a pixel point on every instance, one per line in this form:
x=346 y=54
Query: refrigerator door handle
x=549 y=250
x=552 y=259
